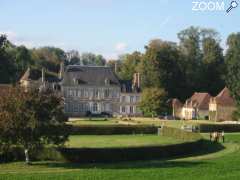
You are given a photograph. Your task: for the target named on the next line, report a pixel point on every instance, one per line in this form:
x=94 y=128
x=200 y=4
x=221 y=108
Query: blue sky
x=108 y=27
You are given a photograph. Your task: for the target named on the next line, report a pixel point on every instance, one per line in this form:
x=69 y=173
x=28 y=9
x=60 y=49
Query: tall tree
x=153 y=101
x=129 y=65
x=92 y=59
x=31 y=119
x=7 y=66
x=213 y=67
x=233 y=65
x=23 y=59
x=161 y=67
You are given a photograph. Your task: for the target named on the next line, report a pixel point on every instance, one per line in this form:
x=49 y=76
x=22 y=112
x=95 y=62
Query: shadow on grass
x=138 y=162
x=122 y=165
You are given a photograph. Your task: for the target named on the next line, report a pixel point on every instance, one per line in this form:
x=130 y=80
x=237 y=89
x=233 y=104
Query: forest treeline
x=196 y=63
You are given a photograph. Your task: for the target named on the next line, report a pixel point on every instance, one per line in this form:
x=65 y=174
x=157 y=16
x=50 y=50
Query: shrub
x=180 y=134
x=219 y=127
x=90 y=155
x=111 y=129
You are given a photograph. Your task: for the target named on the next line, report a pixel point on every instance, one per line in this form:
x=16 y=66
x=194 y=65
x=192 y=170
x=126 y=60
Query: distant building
x=130 y=97
x=37 y=79
x=196 y=107
x=177 y=108
x=222 y=106
x=97 y=90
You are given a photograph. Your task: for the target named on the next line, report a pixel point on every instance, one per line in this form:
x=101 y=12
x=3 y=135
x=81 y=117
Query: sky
x=109 y=27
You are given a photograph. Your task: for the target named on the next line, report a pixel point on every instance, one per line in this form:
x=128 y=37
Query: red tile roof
x=224 y=98
x=199 y=100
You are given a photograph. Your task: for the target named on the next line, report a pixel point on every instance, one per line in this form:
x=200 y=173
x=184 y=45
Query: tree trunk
x=26 y=156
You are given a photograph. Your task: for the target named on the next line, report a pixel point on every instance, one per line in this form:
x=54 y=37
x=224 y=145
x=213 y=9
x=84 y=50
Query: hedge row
x=89 y=155
x=17 y=154
x=219 y=127
x=111 y=129
x=179 y=134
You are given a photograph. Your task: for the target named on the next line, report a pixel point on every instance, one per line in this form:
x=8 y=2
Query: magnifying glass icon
x=233 y=4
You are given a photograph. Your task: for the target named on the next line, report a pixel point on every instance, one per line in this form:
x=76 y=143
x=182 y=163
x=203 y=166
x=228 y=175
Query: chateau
x=89 y=90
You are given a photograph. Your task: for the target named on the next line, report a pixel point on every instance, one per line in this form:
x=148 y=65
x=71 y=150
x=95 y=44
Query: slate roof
x=36 y=75
x=199 y=100
x=224 y=98
x=89 y=75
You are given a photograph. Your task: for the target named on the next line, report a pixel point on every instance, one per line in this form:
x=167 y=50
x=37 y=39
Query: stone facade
x=222 y=106
x=196 y=107
x=88 y=90
x=97 y=90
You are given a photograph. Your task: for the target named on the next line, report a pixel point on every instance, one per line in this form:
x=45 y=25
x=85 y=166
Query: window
x=79 y=93
x=123 y=99
x=131 y=109
x=75 y=107
x=81 y=107
x=95 y=107
x=131 y=99
x=123 y=109
x=137 y=98
x=96 y=93
x=106 y=93
x=70 y=92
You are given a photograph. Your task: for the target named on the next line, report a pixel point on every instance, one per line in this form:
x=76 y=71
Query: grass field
x=220 y=165
x=93 y=121
x=99 y=141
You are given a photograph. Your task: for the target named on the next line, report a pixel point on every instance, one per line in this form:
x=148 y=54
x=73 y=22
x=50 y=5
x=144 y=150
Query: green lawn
x=220 y=165
x=93 y=141
x=93 y=121
x=136 y=121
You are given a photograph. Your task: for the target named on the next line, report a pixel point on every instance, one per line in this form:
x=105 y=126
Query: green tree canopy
x=153 y=101
x=129 y=65
x=31 y=119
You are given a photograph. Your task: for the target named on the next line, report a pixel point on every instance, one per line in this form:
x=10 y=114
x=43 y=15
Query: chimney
x=43 y=75
x=138 y=80
x=61 y=71
x=134 y=84
x=115 y=67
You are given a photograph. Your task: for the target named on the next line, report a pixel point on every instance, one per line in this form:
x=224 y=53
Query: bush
x=111 y=129
x=90 y=155
x=219 y=127
x=180 y=134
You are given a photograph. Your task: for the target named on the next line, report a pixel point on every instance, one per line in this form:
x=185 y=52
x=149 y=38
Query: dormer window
x=79 y=81
x=107 y=81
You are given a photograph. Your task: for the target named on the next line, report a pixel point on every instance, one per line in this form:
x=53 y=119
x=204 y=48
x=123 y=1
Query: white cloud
x=12 y=36
x=120 y=47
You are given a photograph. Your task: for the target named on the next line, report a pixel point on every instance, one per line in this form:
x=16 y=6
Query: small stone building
x=37 y=79
x=177 y=108
x=196 y=107
x=222 y=106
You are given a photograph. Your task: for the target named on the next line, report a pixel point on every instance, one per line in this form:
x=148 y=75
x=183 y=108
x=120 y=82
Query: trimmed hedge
x=179 y=134
x=219 y=127
x=111 y=129
x=17 y=154
x=90 y=155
